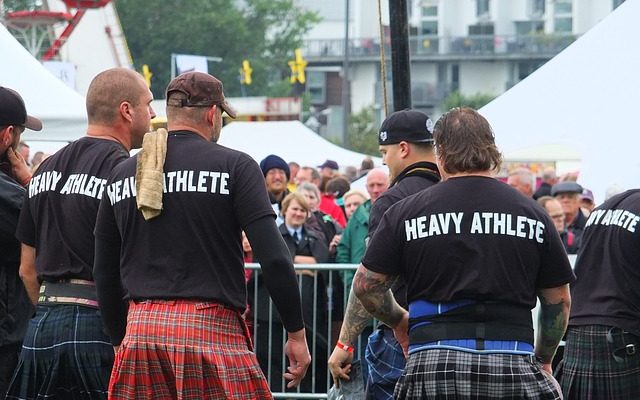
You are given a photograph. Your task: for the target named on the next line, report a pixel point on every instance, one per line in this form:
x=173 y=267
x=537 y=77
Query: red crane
x=81 y=7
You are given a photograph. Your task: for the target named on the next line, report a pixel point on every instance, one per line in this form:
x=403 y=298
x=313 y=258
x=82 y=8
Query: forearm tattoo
x=552 y=324
x=376 y=297
x=355 y=320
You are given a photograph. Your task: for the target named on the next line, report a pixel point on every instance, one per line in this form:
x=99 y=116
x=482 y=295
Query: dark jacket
x=15 y=307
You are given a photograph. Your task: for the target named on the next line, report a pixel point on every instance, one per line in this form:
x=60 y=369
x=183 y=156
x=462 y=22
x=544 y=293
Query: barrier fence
x=324 y=298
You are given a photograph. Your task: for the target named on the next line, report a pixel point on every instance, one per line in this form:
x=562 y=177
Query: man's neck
x=109 y=133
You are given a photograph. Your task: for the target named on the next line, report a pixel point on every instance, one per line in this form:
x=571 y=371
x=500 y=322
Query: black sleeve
x=277 y=270
x=106 y=273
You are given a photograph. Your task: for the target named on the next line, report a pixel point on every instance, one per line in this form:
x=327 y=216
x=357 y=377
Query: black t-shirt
x=606 y=289
x=59 y=213
x=470 y=238
x=411 y=180
x=193 y=249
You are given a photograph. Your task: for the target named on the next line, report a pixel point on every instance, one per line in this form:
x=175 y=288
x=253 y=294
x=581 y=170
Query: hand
x=115 y=349
x=546 y=368
x=401 y=332
x=19 y=167
x=297 y=351
x=334 y=243
x=340 y=365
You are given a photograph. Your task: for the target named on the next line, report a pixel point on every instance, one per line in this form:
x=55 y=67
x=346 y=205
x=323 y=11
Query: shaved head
x=109 y=89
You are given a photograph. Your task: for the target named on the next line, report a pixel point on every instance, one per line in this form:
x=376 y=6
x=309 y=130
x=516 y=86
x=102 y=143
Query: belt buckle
x=630 y=349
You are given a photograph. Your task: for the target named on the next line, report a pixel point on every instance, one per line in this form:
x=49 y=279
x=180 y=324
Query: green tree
x=457 y=99
x=265 y=32
x=363 y=132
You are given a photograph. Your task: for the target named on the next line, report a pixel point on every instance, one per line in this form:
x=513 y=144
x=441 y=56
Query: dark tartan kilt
x=65 y=355
x=589 y=370
x=179 y=349
x=452 y=374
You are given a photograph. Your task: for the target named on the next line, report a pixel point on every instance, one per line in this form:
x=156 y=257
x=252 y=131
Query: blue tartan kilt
x=590 y=371
x=461 y=375
x=386 y=363
x=65 y=355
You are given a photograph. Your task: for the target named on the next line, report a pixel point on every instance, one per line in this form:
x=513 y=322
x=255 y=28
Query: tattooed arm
x=356 y=317
x=373 y=290
x=553 y=317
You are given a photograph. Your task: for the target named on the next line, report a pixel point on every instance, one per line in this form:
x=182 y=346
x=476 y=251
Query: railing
x=542 y=45
x=270 y=343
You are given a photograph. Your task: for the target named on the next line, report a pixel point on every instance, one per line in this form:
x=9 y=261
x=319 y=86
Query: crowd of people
x=123 y=277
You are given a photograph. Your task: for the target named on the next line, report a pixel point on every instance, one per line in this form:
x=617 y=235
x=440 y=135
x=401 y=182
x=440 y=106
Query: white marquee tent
x=61 y=109
x=587 y=98
x=291 y=140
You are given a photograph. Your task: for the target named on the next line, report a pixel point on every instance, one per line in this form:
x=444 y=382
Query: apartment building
x=474 y=46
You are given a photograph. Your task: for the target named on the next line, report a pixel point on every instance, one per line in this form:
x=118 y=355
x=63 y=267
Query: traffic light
x=146 y=72
x=245 y=73
x=297 y=68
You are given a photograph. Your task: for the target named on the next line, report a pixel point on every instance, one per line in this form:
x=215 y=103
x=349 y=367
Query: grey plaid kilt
x=589 y=370
x=452 y=374
x=65 y=355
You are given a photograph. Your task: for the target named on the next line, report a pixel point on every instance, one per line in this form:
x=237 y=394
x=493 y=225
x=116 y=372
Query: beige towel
x=149 y=181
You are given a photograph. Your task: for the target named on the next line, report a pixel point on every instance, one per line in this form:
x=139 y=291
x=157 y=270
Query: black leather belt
x=71 y=291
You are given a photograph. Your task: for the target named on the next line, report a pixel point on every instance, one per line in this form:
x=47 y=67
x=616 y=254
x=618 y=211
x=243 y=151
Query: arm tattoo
x=373 y=291
x=356 y=319
x=552 y=324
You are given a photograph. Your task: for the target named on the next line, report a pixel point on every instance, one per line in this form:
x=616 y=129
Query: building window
x=430 y=11
x=537 y=7
x=482 y=8
x=429 y=27
x=316 y=86
x=563 y=16
x=563 y=7
x=616 y=3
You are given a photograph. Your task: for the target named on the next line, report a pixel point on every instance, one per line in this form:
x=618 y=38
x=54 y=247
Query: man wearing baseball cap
x=406 y=143
x=183 y=334
x=16 y=311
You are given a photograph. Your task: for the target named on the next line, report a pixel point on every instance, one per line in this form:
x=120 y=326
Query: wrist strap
x=344 y=347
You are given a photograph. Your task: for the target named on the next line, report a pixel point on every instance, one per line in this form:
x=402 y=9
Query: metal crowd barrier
x=320 y=380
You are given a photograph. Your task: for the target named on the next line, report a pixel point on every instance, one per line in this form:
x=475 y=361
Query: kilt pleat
x=186 y=350
x=590 y=371
x=452 y=374
x=65 y=355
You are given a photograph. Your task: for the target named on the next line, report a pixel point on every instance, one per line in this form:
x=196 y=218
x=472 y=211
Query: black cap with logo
x=406 y=125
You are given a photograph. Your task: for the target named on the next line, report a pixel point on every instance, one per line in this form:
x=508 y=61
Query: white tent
x=61 y=110
x=587 y=97
x=291 y=140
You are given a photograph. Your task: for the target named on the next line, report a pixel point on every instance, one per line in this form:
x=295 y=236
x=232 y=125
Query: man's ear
x=211 y=114
x=405 y=149
x=125 y=110
x=6 y=136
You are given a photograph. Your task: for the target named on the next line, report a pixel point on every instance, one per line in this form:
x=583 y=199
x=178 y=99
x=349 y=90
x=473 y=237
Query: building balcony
x=433 y=47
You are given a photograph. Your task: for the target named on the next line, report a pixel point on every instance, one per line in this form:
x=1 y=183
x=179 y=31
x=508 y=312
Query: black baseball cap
x=14 y=112
x=406 y=125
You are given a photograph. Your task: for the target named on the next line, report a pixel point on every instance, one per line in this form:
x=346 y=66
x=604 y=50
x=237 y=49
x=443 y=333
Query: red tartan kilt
x=178 y=349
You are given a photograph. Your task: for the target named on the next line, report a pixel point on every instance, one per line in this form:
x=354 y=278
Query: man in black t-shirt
x=406 y=144
x=66 y=352
x=474 y=253
x=15 y=307
x=602 y=353
x=182 y=271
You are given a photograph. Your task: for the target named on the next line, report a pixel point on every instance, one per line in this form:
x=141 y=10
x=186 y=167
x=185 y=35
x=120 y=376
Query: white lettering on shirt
x=619 y=217
x=44 y=182
x=185 y=181
x=485 y=223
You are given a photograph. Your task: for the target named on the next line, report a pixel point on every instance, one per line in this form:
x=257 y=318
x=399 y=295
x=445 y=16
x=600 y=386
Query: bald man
x=66 y=352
